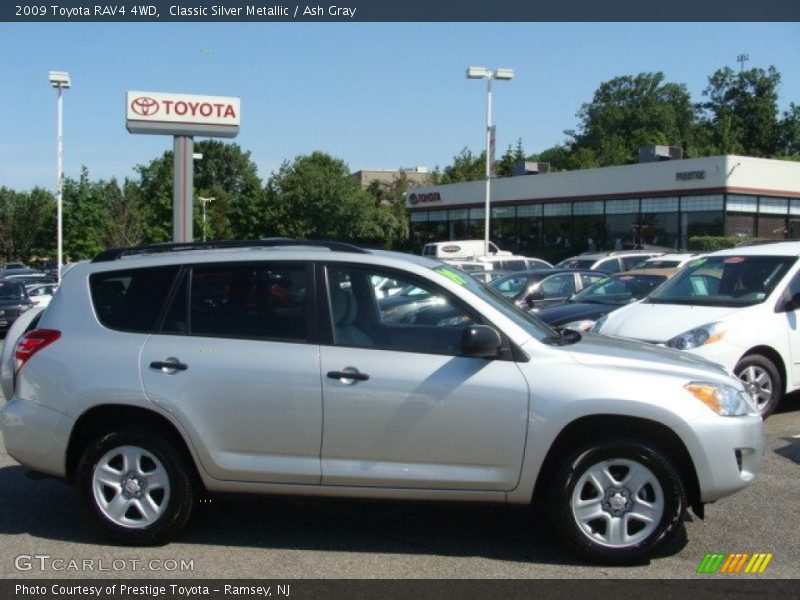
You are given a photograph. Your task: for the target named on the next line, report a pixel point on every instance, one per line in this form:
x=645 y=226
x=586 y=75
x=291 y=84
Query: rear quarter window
x=131 y=300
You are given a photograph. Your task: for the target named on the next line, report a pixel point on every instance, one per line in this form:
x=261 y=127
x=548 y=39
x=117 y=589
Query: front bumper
x=726 y=451
x=36 y=436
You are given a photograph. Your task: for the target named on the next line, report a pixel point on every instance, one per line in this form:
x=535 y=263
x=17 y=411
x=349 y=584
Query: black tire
x=176 y=502
x=761 y=364
x=587 y=540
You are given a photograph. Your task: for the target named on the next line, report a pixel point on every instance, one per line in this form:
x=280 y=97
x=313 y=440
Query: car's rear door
x=237 y=363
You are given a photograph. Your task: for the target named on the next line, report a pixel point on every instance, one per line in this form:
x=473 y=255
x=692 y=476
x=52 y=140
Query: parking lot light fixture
x=488 y=75
x=205 y=200
x=61 y=81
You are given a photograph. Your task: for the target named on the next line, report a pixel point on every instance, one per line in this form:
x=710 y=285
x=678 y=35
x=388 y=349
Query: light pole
x=489 y=76
x=60 y=81
x=205 y=201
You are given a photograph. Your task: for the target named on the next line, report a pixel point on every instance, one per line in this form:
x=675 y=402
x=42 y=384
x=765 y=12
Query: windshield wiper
x=563 y=337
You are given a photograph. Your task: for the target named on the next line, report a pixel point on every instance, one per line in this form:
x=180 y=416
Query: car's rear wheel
x=617 y=502
x=136 y=487
x=763 y=382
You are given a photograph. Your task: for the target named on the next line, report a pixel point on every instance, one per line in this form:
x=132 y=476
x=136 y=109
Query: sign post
x=183 y=116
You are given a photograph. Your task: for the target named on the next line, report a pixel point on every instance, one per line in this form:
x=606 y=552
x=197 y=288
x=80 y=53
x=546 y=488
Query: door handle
x=169 y=365
x=348 y=374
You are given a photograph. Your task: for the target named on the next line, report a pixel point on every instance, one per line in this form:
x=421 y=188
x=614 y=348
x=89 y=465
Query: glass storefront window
x=707 y=203
x=622 y=207
x=772 y=227
x=594 y=207
x=700 y=223
x=621 y=230
x=658 y=205
x=658 y=229
x=773 y=206
x=741 y=225
x=742 y=204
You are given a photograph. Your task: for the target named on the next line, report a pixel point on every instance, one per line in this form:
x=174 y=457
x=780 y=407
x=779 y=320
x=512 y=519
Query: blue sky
x=377 y=95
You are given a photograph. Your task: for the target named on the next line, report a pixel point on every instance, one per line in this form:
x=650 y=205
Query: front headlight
x=598 y=325
x=699 y=336
x=582 y=325
x=724 y=400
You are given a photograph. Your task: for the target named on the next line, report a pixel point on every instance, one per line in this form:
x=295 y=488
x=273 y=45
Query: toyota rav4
x=161 y=373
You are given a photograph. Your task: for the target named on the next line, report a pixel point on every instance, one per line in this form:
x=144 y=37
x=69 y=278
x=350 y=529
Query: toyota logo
x=144 y=106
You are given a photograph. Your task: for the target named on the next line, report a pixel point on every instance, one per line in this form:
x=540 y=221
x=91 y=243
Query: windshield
x=10 y=290
x=724 y=281
x=621 y=289
x=576 y=263
x=533 y=326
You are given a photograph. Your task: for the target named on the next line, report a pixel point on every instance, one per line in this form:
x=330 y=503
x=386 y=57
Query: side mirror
x=534 y=296
x=790 y=303
x=480 y=341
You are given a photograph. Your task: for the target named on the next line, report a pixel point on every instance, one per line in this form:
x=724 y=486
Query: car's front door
x=402 y=408
x=245 y=383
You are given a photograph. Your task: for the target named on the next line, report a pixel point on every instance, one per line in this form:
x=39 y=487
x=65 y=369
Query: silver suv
x=158 y=374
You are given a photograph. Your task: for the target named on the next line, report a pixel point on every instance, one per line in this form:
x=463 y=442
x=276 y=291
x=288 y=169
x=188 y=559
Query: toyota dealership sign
x=182 y=114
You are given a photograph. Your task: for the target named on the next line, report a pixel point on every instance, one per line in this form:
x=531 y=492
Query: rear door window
x=257 y=300
x=131 y=300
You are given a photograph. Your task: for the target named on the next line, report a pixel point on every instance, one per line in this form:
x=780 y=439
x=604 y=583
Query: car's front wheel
x=762 y=380
x=136 y=487
x=617 y=502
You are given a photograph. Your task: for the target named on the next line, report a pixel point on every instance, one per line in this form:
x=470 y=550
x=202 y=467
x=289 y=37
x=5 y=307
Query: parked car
x=41 y=294
x=504 y=263
x=15 y=265
x=220 y=388
x=533 y=290
x=14 y=301
x=607 y=262
x=22 y=271
x=463 y=249
x=738 y=308
x=488 y=276
x=666 y=261
x=582 y=310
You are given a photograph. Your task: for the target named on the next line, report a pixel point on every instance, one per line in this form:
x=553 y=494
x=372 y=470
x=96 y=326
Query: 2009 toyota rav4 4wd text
x=274 y=367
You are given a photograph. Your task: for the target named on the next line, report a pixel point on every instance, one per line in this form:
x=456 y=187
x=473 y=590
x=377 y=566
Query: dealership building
x=661 y=203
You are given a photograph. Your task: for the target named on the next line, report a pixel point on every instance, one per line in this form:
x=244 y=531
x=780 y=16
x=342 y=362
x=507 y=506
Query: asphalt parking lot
x=311 y=538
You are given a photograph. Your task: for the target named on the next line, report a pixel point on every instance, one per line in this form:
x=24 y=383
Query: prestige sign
x=182 y=114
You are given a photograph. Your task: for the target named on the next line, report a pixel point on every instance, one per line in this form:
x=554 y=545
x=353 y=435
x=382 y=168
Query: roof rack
x=117 y=253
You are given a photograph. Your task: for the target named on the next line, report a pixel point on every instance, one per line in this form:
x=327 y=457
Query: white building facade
x=663 y=203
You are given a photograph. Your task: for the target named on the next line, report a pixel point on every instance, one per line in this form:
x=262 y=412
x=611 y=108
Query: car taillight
x=31 y=343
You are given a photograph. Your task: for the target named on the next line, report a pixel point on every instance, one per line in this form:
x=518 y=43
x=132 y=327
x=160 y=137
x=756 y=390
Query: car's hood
x=661 y=322
x=599 y=350
x=574 y=311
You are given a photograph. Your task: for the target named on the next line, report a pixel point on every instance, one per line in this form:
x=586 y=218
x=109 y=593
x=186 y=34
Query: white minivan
x=461 y=249
x=739 y=308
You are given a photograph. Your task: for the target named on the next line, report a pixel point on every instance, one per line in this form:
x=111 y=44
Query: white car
x=738 y=308
x=667 y=261
x=41 y=294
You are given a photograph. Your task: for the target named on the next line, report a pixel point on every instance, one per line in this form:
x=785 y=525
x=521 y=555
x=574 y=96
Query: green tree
x=512 y=155
x=789 y=132
x=741 y=113
x=314 y=197
x=225 y=173
x=84 y=216
x=466 y=167
x=27 y=224
x=628 y=112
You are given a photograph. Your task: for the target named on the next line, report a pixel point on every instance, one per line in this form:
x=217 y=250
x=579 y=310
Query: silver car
x=157 y=375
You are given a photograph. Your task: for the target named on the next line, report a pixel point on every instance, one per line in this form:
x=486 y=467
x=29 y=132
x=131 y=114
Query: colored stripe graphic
x=733 y=563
